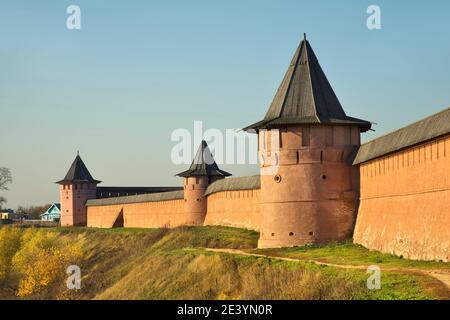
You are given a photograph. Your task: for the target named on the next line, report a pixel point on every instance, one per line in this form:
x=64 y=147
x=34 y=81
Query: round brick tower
x=75 y=189
x=309 y=189
x=201 y=173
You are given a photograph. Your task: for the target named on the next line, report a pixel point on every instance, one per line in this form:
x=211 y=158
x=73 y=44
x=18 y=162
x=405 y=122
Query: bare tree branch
x=2 y=201
x=5 y=178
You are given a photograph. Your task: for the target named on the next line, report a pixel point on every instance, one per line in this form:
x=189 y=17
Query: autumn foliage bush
x=36 y=257
x=10 y=240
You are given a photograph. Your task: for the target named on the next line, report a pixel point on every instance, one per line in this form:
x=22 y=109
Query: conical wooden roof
x=203 y=164
x=306 y=97
x=78 y=172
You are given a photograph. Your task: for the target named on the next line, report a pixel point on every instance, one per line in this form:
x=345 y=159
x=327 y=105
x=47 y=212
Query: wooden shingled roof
x=151 y=197
x=230 y=184
x=234 y=184
x=421 y=131
x=78 y=172
x=306 y=97
x=203 y=164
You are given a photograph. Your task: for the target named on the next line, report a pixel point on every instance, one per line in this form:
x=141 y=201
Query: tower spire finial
x=304 y=36
x=78 y=152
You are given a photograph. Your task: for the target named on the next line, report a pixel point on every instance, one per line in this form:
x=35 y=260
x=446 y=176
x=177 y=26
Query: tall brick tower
x=309 y=189
x=75 y=189
x=201 y=173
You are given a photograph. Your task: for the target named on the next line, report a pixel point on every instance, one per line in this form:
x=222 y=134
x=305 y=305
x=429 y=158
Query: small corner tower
x=201 y=173
x=309 y=189
x=75 y=189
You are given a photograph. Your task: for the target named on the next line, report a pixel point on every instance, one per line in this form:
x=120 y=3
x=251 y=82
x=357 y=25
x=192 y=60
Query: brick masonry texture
x=405 y=202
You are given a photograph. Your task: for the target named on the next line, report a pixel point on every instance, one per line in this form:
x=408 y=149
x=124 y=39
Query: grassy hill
x=173 y=264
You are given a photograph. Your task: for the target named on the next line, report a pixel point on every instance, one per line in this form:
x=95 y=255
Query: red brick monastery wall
x=140 y=215
x=228 y=208
x=405 y=202
x=239 y=208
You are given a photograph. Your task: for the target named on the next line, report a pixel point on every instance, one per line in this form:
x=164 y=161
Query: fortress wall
x=405 y=202
x=103 y=216
x=239 y=208
x=140 y=215
x=156 y=214
x=228 y=202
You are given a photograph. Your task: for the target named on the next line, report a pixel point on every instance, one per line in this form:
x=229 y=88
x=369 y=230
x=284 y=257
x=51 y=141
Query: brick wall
x=239 y=208
x=228 y=208
x=140 y=215
x=405 y=202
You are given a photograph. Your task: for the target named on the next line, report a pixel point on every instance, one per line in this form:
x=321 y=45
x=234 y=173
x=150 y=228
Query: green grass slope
x=170 y=264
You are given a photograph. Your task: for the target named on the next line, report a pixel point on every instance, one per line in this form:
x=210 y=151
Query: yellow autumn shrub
x=10 y=240
x=42 y=259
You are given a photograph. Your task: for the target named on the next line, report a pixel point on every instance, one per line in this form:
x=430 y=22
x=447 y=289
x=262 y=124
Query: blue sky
x=137 y=70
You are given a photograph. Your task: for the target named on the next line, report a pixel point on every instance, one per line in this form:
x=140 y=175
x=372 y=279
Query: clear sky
x=137 y=70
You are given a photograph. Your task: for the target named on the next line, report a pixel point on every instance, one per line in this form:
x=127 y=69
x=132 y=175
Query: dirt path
x=441 y=275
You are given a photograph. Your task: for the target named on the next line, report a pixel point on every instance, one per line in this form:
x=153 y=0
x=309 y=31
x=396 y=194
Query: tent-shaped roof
x=306 y=97
x=78 y=172
x=203 y=164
